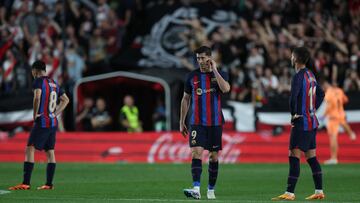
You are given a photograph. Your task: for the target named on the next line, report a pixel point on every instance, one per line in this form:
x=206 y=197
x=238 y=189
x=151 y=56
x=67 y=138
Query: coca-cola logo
x=166 y=149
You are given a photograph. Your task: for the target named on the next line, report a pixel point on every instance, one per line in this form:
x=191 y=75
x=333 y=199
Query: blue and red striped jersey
x=205 y=98
x=50 y=93
x=306 y=96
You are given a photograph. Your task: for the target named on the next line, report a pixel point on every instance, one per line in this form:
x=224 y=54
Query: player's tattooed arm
x=185 y=102
x=36 y=103
x=64 y=100
x=223 y=84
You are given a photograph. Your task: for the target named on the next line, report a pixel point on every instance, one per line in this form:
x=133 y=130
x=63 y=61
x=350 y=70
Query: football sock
x=28 y=167
x=213 y=173
x=196 y=169
x=294 y=172
x=50 y=170
x=316 y=171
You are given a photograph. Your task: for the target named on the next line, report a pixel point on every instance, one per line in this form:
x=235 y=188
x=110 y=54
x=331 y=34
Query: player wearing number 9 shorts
x=202 y=93
x=49 y=101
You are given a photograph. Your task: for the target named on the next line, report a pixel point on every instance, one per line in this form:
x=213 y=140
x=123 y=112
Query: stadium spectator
x=129 y=116
x=75 y=64
x=159 y=117
x=100 y=117
x=83 y=119
x=284 y=81
x=240 y=90
x=352 y=82
x=269 y=81
x=9 y=72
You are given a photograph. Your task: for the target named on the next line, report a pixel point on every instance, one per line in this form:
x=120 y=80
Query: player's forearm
x=184 y=109
x=61 y=107
x=223 y=84
x=36 y=105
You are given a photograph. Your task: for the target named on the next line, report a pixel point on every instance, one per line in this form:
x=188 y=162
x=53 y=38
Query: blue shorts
x=42 y=138
x=303 y=140
x=208 y=137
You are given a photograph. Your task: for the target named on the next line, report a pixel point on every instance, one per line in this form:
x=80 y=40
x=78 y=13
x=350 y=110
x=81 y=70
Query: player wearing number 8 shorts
x=49 y=102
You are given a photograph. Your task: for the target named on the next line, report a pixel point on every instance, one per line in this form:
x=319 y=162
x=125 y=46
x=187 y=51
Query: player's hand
x=36 y=116
x=213 y=65
x=183 y=129
x=296 y=116
x=293 y=118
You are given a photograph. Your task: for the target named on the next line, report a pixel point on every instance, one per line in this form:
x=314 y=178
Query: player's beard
x=205 y=68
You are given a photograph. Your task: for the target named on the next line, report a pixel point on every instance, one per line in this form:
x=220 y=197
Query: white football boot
x=211 y=194
x=193 y=192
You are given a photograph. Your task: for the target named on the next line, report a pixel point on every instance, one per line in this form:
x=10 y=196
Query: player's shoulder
x=38 y=82
x=196 y=71
x=38 y=79
x=223 y=73
x=192 y=73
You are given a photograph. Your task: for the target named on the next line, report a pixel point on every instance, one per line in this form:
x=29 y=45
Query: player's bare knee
x=30 y=150
x=51 y=156
x=310 y=154
x=213 y=156
x=295 y=153
x=196 y=153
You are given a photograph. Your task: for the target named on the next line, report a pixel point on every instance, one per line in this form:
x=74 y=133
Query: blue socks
x=196 y=169
x=213 y=173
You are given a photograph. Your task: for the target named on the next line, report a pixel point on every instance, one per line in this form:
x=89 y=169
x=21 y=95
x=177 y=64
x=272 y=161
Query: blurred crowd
x=255 y=50
x=91 y=32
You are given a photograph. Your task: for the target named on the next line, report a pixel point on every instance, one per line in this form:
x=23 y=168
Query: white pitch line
x=128 y=199
x=140 y=200
x=3 y=192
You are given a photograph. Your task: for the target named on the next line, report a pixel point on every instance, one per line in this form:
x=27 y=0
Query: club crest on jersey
x=199 y=91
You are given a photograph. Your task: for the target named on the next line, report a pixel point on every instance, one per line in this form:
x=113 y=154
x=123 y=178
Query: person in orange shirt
x=335 y=99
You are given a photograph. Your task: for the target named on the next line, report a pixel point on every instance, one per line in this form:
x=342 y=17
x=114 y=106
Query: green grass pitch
x=79 y=182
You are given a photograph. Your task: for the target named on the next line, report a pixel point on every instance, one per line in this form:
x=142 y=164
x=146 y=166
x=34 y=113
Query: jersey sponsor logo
x=200 y=91
x=213 y=80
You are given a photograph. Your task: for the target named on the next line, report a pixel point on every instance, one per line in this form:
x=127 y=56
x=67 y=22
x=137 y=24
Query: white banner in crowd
x=244 y=116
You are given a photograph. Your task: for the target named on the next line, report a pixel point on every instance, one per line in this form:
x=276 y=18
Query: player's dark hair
x=301 y=54
x=39 y=65
x=203 y=49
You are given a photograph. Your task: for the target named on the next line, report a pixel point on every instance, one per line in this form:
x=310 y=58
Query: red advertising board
x=170 y=147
